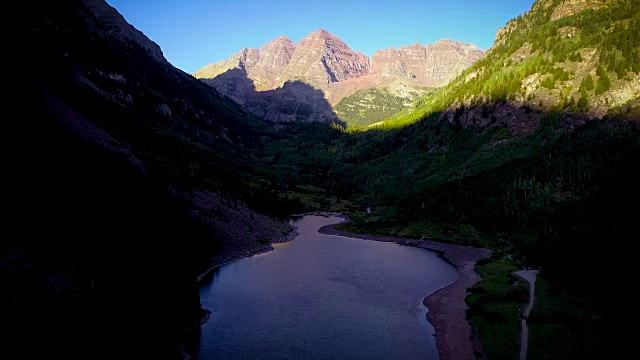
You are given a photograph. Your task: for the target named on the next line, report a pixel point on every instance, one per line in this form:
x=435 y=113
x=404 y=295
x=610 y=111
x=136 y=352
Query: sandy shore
x=447 y=308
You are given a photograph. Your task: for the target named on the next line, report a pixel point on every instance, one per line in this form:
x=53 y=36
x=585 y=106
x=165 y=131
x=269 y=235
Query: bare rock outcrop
x=274 y=58
x=572 y=7
x=262 y=66
x=330 y=71
x=432 y=65
x=246 y=59
x=321 y=59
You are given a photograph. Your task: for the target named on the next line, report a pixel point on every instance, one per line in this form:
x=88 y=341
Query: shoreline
x=237 y=256
x=447 y=308
x=455 y=338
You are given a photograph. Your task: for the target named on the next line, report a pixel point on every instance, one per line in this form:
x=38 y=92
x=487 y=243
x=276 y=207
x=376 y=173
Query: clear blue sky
x=194 y=33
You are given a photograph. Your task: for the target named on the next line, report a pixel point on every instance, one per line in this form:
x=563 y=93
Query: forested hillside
x=370 y=106
x=127 y=178
x=585 y=62
x=530 y=152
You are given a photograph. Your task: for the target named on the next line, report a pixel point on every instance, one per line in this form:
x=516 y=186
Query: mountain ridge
x=552 y=58
x=323 y=61
x=112 y=149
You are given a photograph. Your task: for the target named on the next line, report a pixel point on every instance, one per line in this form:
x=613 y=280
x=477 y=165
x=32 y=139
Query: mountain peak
x=325 y=62
x=280 y=43
x=323 y=34
x=282 y=38
x=322 y=58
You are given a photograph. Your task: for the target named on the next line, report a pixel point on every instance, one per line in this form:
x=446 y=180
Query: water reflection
x=323 y=297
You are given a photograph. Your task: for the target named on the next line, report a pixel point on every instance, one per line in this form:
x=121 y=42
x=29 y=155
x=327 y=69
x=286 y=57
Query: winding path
x=529 y=276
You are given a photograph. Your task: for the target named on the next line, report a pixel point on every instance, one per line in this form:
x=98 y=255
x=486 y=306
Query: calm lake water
x=323 y=297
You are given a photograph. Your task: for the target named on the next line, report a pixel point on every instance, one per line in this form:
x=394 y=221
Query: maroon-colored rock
x=325 y=67
x=321 y=59
x=432 y=65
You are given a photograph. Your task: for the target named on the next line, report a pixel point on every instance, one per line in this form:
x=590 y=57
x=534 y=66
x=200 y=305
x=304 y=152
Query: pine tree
x=548 y=83
x=604 y=83
x=569 y=104
x=583 y=102
x=587 y=83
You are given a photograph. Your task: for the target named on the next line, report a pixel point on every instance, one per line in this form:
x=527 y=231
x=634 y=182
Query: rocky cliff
x=262 y=66
x=432 y=65
x=325 y=63
x=274 y=58
x=321 y=59
x=572 y=7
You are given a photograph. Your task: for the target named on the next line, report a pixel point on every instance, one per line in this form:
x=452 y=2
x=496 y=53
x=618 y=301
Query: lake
x=323 y=297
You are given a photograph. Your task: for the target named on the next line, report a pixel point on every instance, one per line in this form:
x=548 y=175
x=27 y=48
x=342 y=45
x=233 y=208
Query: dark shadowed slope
x=118 y=168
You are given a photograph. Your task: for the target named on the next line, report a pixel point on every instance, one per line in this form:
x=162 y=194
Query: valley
x=125 y=175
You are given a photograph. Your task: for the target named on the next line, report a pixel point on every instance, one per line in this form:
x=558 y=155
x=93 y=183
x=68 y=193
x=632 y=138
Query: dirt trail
x=529 y=276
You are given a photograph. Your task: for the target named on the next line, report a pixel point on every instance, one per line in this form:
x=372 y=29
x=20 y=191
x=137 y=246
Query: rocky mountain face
x=572 y=7
x=321 y=59
x=324 y=62
x=274 y=57
x=432 y=65
x=262 y=65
